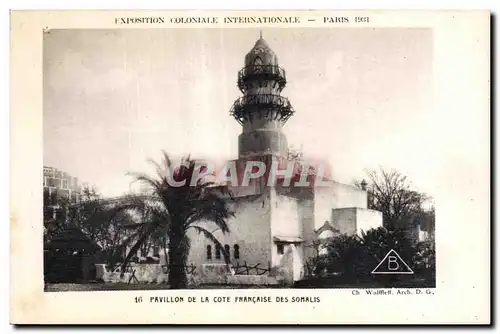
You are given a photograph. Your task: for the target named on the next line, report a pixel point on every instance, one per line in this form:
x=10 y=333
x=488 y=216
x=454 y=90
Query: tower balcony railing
x=263 y=105
x=261 y=72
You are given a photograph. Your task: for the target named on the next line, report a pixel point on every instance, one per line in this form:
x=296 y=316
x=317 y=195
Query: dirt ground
x=58 y=287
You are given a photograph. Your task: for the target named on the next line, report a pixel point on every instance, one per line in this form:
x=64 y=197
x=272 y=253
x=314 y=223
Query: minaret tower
x=262 y=111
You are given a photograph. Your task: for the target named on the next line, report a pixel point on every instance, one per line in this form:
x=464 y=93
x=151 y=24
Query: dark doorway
x=63 y=266
x=69 y=257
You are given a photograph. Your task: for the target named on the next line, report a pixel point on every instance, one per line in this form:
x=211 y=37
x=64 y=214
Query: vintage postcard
x=250 y=167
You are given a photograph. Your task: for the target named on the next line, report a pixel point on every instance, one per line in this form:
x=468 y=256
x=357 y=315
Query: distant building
x=70 y=257
x=69 y=254
x=421 y=235
x=62 y=184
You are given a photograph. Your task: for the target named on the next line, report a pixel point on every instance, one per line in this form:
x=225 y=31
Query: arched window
x=228 y=251
x=209 y=252
x=236 y=251
x=217 y=252
x=257 y=61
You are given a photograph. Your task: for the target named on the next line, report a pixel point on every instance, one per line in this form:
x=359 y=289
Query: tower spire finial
x=261 y=34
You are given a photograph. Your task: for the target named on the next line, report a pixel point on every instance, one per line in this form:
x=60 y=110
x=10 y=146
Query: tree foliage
x=354 y=257
x=391 y=193
x=171 y=211
x=96 y=217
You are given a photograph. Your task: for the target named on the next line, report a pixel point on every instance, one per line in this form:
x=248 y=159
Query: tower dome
x=262 y=110
x=261 y=54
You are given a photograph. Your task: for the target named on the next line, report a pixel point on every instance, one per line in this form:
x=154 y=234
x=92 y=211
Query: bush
x=355 y=257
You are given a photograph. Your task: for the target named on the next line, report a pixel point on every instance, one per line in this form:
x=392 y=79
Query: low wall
x=210 y=274
x=223 y=275
x=252 y=280
x=144 y=273
x=214 y=273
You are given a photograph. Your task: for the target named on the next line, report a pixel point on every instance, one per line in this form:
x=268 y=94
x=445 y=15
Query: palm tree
x=174 y=210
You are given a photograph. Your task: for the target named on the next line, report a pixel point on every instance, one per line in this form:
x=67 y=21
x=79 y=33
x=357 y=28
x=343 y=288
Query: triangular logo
x=392 y=263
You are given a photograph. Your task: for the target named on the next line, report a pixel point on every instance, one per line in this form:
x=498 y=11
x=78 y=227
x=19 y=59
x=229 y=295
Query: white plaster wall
x=306 y=214
x=285 y=217
x=255 y=186
x=346 y=196
x=345 y=220
x=293 y=216
x=354 y=220
x=322 y=206
x=368 y=219
x=335 y=195
x=285 y=222
x=250 y=229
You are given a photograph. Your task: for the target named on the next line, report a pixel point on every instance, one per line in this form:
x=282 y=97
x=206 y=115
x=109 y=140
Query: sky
x=115 y=98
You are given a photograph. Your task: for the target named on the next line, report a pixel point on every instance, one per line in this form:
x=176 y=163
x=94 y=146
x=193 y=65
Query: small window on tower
x=281 y=248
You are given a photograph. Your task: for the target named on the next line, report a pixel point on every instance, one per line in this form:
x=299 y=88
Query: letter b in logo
x=393 y=263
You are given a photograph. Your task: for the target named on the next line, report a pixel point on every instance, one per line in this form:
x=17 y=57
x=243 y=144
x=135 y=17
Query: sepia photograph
x=236 y=159
x=250 y=167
